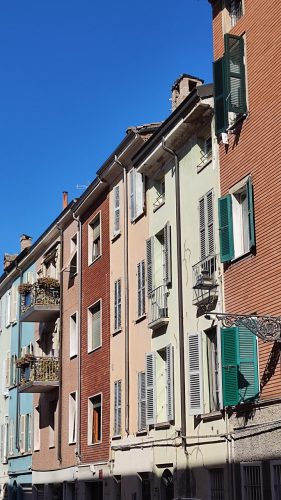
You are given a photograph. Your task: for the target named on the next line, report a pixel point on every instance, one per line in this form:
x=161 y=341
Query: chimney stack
x=8 y=259
x=25 y=242
x=64 y=199
x=182 y=88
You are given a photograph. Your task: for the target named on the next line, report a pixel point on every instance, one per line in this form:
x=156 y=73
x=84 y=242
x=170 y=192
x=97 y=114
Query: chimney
x=182 y=88
x=25 y=242
x=8 y=259
x=64 y=199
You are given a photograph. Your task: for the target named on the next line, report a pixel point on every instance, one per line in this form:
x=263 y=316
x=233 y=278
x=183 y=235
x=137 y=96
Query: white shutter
x=22 y=433
x=117 y=407
x=1 y=306
x=132 y=194
x=6 y=435
x=8 y=369
x=210 y=222
x=29 y=277
x=2 y=440
x=170 y=382
x=8 y=309
x=116 y=210
x=36 y=428
x=29 y=433
x=150 y=388
x=141 y=401
x=195 y=374
x=149 y=265
x=141 y=288
x=117 y=305
x=167 y=255
x=4 y=377
x=11 y=437
x=139 y=194
x=202 y=228
x=14 y=303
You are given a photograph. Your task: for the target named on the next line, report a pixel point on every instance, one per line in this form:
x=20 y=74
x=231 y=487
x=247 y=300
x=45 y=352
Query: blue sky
x=74 y=76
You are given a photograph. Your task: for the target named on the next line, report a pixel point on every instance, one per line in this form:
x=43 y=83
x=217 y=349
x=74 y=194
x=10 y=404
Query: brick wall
x=253 y=284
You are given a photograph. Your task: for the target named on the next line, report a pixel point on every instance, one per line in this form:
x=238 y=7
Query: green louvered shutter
x=229 y=353
x=250 y=198
x=226 y=228
x=220 y=103
x=248 y=380
x=235 y=73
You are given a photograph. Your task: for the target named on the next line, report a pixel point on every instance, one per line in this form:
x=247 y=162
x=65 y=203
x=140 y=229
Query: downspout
x=60 y=345
x=126 y=283
x=79 y=271
x=18 y=371
x=180 y=292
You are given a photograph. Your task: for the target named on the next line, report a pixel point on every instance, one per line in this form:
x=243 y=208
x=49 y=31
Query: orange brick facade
x=252 y=283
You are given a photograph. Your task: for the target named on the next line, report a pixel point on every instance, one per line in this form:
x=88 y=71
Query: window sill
x=95 y=260
x=71 y=443
x=159 y=206
x=119 y=330
x=201 y=167
x=142 y=433
x=140 y=318
x=115 y=236
x=116 y=437
x=94 y=350
x=208 y=417
x=72 y=356
x=162 y=426
x=137 y=218
x=94 y=444
x=241 y=257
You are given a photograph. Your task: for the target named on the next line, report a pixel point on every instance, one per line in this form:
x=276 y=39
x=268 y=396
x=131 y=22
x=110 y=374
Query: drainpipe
x=126 y=282
x=17 y=371
x=60 y=345
x=180 y=292
x=79 y=272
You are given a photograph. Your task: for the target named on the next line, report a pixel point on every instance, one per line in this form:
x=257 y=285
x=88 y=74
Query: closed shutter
x=150 y=389
x=11 y=437
x=250 y=200
x=141 y=288
x=132 y=194
x=229 y=353
x=202 y=228
x=170 y=382
x=29 y=433
x=14 y=303
x=149 y=265
x=116 y=210
x=22 y=433
x=141 y=401
x=248 y=380
x=210 y=223
x=220 y=102
x=117 y=305
x=8 y=369
x=235 y=73
x=4 y=375
x=5 y=443
x=2 y=440
x=8 y=309
x=195 y=374
x=29 y=277
x=117 y=407
x=1 y=306
x=139 y=194
x=167 y=255
x=226 y=228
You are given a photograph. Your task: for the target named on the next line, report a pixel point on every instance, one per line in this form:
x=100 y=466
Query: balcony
x=38 y=374
x=40 y=301
x=158 y=307
x=204 y=274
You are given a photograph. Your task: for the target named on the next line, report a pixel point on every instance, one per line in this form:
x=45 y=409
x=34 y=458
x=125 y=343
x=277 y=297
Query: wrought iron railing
x=236 y=11
x=157 y=304
x=159 y=201
x=40 y=369
x=204 y=279
x=40 y=295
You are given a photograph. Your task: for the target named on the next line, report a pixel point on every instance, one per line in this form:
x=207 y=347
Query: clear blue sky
x=74 y=75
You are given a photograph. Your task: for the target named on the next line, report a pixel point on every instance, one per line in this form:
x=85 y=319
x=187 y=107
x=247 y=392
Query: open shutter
x=22 y=433
x=8 y=369
x=150 y=388
x=117 y=407
x=14 y=302
x=220 y=102
x=132 y=194
x=248 y=380
x=11 y=437
x=170 y=382
x=202 y=228
x=167 y=255
x=195 y=374
x=226 y=228
x=210 y=223
x=5 y=442
x=139 y=194
x=141 y=401
x=235 y=73
x=149 y=265
x=4 y=375
x=116 y=210
x=229 y=352
x=1 y=306
x=250 y=199
x=8 y=309
x=141 y=288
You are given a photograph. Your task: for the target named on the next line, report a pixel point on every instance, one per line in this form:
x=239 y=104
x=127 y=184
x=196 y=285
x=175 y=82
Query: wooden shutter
x=4 y=379
x=117 y=304
x=139 y=193
x=210 y=223
x=202 y=228
x=132 y=194
x=235 y=73
x=167 y=255
x=8 y=369
x=220 y=102
x=150 y=388
x=8 y=309
x=116 y=212
x=2 y=440
x=117 y=407
x=22 y=433
x=195 y=384
x=251 y=219
x=149 y=265
x=11 y=437
x=226 y=228
x=141 y=401
x=141 y=288
x=170 y=382
x=229 y=351
x=248 y=380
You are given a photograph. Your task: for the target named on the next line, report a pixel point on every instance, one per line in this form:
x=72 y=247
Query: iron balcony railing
x=157 y=306
x=39 y=296
x=39 y=369
x=204 y=278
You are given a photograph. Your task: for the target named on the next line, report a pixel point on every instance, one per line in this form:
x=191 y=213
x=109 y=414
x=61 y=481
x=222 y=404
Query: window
x=73 y=257
x=94 y=326
x=160 y=194
x=141 y=402
x=94 y=419
x=216 y=484
x=236 y=221
x=213 y=370
x=117 y=305
x=206 y=225
x=72 y=415
x=235 y=9
x=136 y=194
x=141 y=289
x=117 y=407
x=94 y=239
x=251 y=481
x=229 y=82
x=25 y=433
x=73 y=338
x=275 y=466
x=205 y=144
x=116 y=210
x=36 y=429
x=160 y=386
x=52 y=419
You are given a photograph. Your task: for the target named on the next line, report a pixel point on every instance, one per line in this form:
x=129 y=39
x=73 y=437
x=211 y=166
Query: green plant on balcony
x=25 y=288
x=25 y=360
x=48 y=282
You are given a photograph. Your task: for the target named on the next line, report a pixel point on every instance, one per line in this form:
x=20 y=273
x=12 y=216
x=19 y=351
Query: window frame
x=72 y=418
x=242 y=469
x=141 y=289
x=90 y=419
x=73 y=352
x=91 y=240
x=36 y=428
x=90 y=347
x=117 y=305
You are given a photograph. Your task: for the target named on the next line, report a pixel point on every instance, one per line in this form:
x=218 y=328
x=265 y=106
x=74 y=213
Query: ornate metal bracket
x=267 y=328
